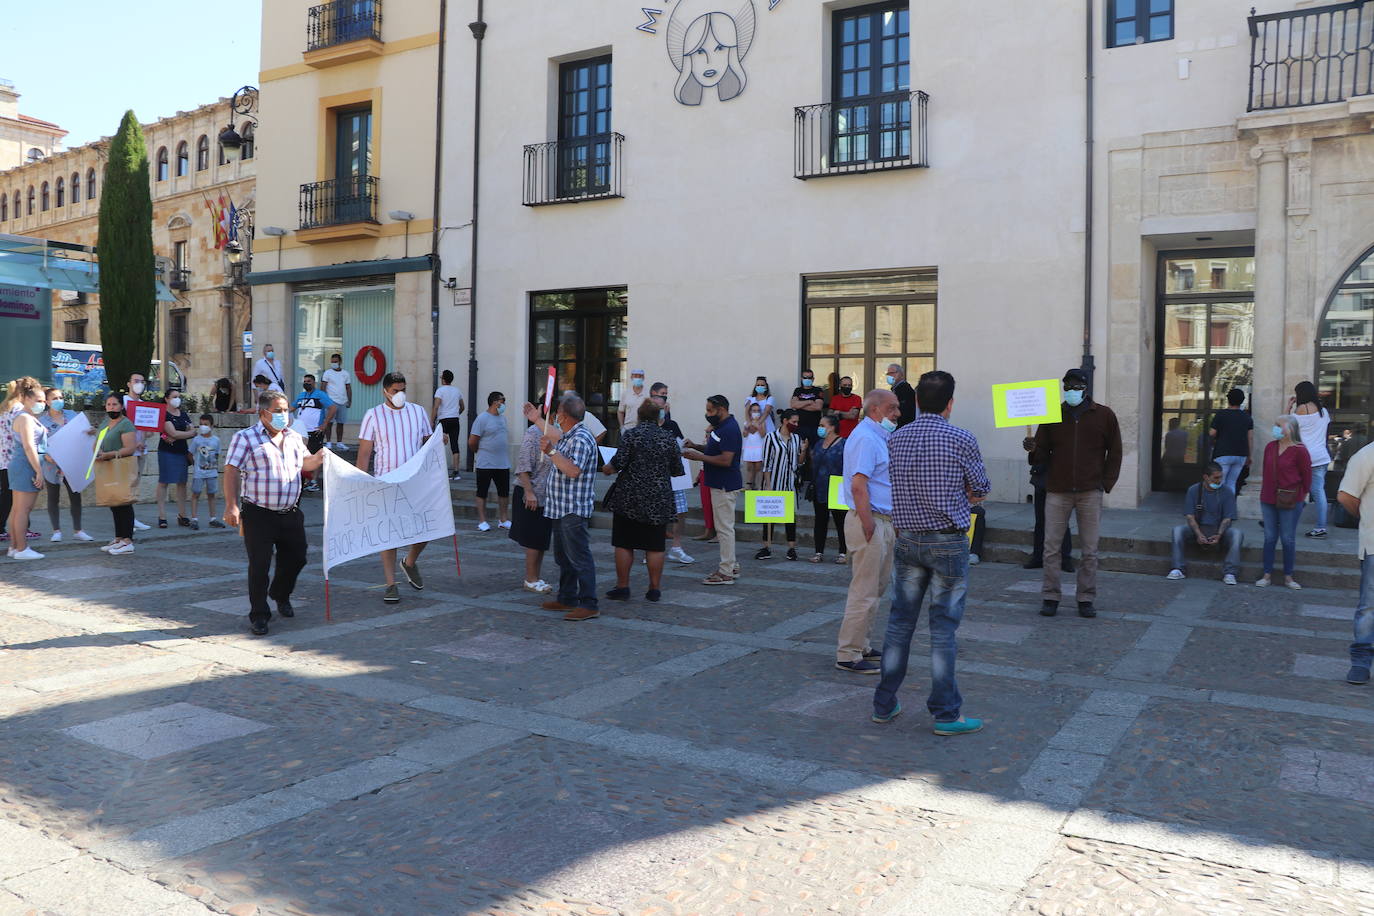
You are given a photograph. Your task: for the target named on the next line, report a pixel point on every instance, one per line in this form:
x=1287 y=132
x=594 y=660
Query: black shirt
x=672 y=427
x=906 y=400
x=810 y=419
x=1232 y=425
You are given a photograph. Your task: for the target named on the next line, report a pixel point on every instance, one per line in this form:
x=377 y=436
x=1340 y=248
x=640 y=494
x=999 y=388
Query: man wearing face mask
x=1082 y=458
x=628 y=411
x=809 y=402
x=392 y=432
x=719 y=456
x=489 y=444
x=338 y=384
x=906 y=395
x=1209 y=511
x=847 y=407
x=263 y=469
x=322 y=410
x=270 y=368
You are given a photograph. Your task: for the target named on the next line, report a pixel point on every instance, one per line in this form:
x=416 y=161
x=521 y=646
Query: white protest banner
x=682 y=483
x=71 y=447
x=607 y=453
x=365 y=514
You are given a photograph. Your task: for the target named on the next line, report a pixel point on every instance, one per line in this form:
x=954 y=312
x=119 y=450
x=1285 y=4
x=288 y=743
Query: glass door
x=1206 y=315
x=352 y=165
x=584 y=335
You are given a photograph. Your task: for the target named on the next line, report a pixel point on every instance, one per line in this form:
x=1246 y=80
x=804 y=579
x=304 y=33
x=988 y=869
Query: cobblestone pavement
x=1192 y=750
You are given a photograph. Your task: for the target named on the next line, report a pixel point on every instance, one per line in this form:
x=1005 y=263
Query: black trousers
x=6 y=499
x=978 y=517
x=264 y=532
x=123 y=521
x=1038 y=547
x=823 y=517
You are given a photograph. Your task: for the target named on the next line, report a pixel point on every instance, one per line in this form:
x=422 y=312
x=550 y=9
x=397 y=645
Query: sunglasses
x=1076 y=386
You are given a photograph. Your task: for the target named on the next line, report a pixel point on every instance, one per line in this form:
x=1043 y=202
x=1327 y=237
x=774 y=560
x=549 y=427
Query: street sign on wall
x=26 y=332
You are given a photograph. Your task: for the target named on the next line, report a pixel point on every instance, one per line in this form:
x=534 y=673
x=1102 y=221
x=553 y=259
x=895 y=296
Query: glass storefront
x=344 y=321
x=1345 y=341
x=859 y=325
x=584 y=335
x=1206 y=315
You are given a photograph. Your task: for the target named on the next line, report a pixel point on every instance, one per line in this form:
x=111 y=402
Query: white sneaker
x=484 y=527
x=539 y=588
x=678 y=555
x=139 y=526
x=1293 y=584
x=506 y=524
x=56 y=537
x=1175 y=574
x=1228 y=579
x=108 y=547
x=28 y=553
x=121 y=550
x=1262 y=582
x=83 y=536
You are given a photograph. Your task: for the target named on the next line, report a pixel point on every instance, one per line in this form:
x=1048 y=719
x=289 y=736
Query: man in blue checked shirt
x=937 y=472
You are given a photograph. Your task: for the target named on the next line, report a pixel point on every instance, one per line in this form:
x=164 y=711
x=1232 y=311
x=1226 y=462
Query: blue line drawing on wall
x=708 y=45
x=650 y=22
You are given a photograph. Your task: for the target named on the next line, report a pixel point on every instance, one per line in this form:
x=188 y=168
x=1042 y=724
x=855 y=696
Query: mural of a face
x=707 y=47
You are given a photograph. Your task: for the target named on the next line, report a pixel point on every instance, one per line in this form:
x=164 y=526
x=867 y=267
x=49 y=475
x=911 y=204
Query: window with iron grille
x=179 y=331
x=75 y=330
x=584 y=127
x=1135 y=22
x=871 y=70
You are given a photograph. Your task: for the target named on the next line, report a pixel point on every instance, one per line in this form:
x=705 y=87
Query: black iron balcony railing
x=340 y=200
x=341 y=21
x=578 y=168
x=871 y=134
x=179 y=279
x=1311 y=56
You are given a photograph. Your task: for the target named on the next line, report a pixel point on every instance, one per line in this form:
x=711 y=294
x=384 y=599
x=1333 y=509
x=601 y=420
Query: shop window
x=1345 y=379
x=859 y=325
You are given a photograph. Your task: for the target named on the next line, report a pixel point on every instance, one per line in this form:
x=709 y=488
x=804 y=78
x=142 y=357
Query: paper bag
x=116 y=482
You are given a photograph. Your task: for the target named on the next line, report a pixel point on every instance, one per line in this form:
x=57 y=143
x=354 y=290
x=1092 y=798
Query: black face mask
x=309 y=386
x=846 y=390
x=714 y=420
x=114 y=414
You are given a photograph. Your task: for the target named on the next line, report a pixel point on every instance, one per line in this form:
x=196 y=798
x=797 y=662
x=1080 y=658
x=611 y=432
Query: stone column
x=1271 y=286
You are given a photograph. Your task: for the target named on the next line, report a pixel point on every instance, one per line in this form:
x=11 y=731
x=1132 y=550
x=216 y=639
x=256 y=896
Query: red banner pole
x=455 y=555
x=327 y=617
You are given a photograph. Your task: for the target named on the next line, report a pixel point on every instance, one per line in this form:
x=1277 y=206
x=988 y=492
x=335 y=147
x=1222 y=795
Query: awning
x=32 y=262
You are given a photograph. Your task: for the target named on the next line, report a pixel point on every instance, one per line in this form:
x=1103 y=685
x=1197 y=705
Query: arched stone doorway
x=1345 y=372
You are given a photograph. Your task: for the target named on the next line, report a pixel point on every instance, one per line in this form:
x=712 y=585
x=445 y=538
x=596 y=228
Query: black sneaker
x=285 y=609
x=1033 y=563
x=1068 y=566
x=412 y=573
x=392 y=595
x=619 y=594
x=764 y=554
x=216 y=523
x=1049 y=608
x=258 y=629
x=860 y=667
x=792 y=553
x=1317 y=533
x=1357 y=676
x=195 y=525
x=1086 y=609
x=653 y=594
x=873 y=655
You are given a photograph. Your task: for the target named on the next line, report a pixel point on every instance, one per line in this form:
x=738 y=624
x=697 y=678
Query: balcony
x=572 y=170
x=877 y=134
x=342 y=31
x=1311 y=56
x=339 y=209
x=179 y=279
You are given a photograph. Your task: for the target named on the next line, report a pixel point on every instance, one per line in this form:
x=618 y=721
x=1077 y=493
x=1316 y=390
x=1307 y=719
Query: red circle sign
x=360 y=361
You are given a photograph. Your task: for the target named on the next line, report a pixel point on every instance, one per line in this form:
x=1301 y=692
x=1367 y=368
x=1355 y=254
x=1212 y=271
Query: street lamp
x=234 y=251
x=244 y=102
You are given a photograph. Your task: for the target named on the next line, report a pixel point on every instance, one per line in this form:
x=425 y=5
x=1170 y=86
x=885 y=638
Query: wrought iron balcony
x=179 y=279
x=566 y=171
x=1311 y=56
x=342 y=21
x=873 y=134
x=339 y=201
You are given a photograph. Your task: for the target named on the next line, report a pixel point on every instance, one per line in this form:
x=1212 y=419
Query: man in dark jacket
x=1082 y=458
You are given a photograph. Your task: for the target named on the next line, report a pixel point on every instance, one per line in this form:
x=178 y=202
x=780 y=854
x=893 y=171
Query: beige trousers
x=870 y=567
x=1058 y=507
x=723 y=512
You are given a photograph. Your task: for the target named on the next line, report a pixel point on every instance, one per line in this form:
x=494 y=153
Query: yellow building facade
x=24 y=138
x=341 y=261
x=57 y=197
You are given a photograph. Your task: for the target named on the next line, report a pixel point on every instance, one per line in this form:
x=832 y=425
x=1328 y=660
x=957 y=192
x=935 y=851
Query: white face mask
x=136 y=387
x=334 y=364
x=398 y=399
x=175 y=402
x=204 y=430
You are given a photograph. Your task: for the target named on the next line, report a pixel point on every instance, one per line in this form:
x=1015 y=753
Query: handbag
x=116 y=482
x=1284 y=498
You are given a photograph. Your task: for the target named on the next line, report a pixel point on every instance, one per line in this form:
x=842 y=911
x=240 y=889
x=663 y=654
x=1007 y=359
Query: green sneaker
x=392 y=596
x=412 y=574
x=960 y=726
x=883 y=720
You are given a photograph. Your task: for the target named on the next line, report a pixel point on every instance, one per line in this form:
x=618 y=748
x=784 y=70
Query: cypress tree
x=128 y=292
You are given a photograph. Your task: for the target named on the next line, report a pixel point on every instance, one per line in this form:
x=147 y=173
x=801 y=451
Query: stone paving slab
x=1264 y=664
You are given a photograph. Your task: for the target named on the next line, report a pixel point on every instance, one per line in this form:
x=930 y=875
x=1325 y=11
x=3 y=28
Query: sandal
x=162 y=523
x=818 y=558
x=841 y=560
x=183 y=521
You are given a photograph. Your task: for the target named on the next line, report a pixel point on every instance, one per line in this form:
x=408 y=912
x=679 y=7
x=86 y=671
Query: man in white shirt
x=270 y=367
x=447 y=413
x=628 y=411
x=338 y=384
x=1357 y=488
x=391 y=434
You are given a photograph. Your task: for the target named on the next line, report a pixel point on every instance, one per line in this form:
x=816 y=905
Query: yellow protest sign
x=1025 y=403
x=839 y=497
x=769 y=506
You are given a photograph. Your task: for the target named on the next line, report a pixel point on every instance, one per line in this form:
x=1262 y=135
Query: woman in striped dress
x=783 y=453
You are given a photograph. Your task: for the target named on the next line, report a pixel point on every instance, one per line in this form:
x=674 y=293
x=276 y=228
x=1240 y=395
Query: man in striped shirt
x=391 y=434
x=263 y=468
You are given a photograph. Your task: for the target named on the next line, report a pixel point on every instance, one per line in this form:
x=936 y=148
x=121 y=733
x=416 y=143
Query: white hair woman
x=1287 y=480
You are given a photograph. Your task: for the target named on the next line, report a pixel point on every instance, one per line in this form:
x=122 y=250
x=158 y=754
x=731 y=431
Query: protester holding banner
x=117 y=439
x=529 y=528
x=53 y=419
x=641 y=499
x=784 y=450
x=174 y=459
x=391 y=433
x=28 y=455
x=827 y=461
x=263 y=469
x=137 y=385
x=572 y=449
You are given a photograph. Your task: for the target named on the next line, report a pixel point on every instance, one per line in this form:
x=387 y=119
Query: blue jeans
x=572 y=551
x=1280 y=523
x=938 y=563
x=1231 y=543
x=1362 y=649
x=1319 y=494
x=1231 y=466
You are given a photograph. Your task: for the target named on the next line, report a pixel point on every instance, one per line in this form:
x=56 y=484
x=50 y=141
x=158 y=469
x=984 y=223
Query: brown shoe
x=581 y=613
x=554 y=605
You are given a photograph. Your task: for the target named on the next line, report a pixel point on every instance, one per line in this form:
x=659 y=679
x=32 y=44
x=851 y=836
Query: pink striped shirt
x=396 y=435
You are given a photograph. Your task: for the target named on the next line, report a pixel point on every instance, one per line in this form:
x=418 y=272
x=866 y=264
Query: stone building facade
x=24 y=138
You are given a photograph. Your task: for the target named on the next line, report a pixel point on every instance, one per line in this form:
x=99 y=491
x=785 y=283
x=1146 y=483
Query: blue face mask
x=280 y=419
x=887 y=424
x=1278 y=431
x=1073 y=397
x=1214 y=486
x=891 y=379
x=57 y=404
x=807 y=382
x=760 y=389
x=500 y=409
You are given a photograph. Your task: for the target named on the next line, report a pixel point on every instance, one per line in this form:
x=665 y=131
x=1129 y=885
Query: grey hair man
x=906 y=395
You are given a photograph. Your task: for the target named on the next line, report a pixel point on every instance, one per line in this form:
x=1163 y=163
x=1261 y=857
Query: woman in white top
x=752 y=455
x=763 y=396
x=1313 y=419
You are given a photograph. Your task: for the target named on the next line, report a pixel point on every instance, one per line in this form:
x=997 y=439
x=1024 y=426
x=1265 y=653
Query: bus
x=79 y=369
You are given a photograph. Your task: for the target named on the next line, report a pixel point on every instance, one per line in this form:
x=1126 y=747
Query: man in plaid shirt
x=572 y=450
x=936 y=471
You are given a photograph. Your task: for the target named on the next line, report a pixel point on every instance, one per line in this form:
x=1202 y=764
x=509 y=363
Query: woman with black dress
x=641 y=499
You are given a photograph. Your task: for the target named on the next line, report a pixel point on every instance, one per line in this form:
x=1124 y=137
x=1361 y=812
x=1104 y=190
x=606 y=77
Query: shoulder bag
x=116 y=482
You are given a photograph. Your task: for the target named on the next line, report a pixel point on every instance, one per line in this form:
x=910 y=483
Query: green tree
x=128 y=291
